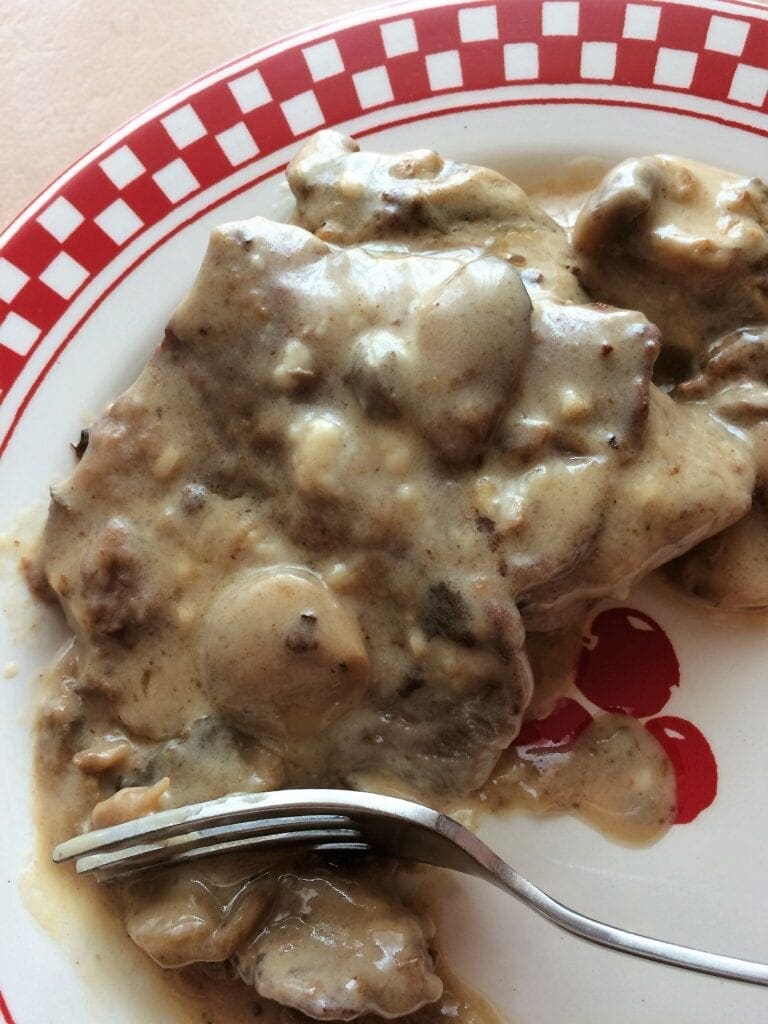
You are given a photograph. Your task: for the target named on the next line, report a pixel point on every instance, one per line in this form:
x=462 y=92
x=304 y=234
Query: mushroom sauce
x=385 y=460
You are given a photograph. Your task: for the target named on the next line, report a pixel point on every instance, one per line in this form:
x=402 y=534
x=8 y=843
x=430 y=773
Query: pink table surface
x=73 y=70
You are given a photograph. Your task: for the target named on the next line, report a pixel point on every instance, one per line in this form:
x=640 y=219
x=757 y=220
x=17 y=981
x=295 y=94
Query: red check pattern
x=406 y=55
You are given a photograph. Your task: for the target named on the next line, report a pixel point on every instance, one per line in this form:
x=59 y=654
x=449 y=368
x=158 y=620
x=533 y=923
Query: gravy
x=376 y=448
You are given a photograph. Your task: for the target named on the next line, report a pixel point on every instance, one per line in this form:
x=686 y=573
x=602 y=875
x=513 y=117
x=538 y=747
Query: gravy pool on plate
x=377 y=448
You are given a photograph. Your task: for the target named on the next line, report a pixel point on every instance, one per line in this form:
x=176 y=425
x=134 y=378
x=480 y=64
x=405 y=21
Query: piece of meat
x=692 y=479
x=730 y=570
x=559 y=491
x=429 y=740
x=457 y=682
x=586 y=383
x=197 y=913
x=116 y=594
x=110 y=594
x=336 y=948
x=733 y=381
x=208 y=760
x=420 y=201
x=684 y=243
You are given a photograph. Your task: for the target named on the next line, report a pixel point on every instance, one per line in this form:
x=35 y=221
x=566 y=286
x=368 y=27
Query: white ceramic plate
x=90 y=272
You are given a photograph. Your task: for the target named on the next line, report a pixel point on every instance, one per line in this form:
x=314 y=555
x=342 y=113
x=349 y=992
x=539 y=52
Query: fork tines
x=238 y=822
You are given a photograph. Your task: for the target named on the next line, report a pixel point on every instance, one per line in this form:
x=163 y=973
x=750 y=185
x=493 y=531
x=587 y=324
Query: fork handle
x=505 y=877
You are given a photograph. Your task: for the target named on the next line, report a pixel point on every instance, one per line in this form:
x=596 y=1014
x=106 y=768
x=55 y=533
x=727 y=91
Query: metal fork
x=338 y=822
